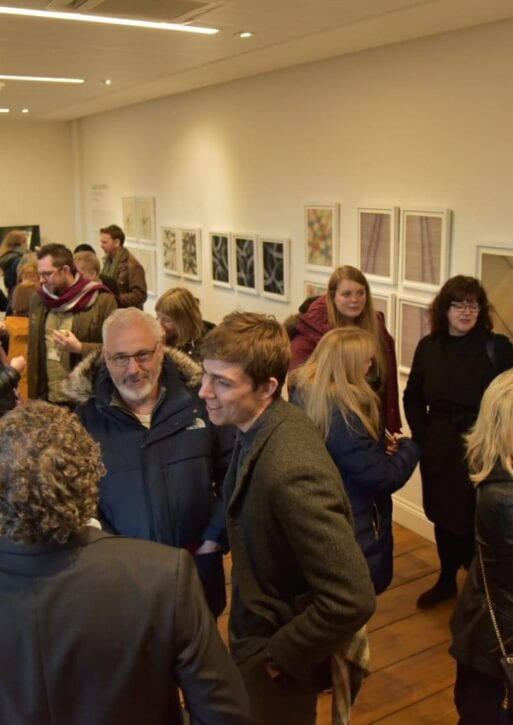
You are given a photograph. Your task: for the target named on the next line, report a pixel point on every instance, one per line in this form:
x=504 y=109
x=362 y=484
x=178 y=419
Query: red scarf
x=80 y=296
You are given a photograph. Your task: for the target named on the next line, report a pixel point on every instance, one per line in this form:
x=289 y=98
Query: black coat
x=9 y=379
x=448 y=377
x=474 y=641
x=103 y=631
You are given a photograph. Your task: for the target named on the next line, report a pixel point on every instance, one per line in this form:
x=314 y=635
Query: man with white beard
x=164 y=459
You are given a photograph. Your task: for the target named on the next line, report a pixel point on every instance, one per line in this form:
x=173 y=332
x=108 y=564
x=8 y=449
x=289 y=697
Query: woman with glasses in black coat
x=452 y=367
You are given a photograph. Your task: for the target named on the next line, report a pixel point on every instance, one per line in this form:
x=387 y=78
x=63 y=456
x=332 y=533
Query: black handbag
x=506 y=661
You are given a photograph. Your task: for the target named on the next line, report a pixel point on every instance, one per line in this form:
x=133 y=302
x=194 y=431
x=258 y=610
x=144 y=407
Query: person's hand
x=66 y=340
x=208 y=547
x=392 y=445
x=18 y=363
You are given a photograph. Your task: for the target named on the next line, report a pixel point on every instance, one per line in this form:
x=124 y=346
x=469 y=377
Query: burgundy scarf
x=80 y=296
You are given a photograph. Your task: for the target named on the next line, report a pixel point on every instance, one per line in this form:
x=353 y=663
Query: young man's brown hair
x=115 y=232
x=256 y=342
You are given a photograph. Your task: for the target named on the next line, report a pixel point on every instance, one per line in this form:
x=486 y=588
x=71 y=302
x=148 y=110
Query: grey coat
x=301 y=586
x=103 y=630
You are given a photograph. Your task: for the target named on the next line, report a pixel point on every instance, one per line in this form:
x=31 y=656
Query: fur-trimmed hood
x=80 y=384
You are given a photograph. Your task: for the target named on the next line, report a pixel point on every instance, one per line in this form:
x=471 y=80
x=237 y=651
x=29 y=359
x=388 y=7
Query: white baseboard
x=411 y=516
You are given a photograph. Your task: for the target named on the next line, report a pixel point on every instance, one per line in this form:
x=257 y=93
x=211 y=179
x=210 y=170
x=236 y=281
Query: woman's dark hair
x=459 y=289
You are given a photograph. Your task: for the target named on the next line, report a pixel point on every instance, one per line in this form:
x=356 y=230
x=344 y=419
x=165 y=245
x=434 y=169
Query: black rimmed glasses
x=463 y=306
x=141 y=357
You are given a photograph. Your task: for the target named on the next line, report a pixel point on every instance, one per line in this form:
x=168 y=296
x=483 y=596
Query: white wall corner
x=412 y=516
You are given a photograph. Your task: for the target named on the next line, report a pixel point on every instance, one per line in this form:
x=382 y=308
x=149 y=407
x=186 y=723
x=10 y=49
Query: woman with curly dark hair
x=452 y=367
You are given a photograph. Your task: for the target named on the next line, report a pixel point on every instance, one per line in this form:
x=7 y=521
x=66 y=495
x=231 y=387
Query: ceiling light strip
x=40 y=79
x=104 y=20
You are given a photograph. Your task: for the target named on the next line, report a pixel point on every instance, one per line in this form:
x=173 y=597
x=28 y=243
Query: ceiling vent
x=169 y=11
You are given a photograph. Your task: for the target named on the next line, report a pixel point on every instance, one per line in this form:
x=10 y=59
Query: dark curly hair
x=49 y=473
x=459 y=289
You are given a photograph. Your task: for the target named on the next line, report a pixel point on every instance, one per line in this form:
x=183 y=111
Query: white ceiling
x=146 y=64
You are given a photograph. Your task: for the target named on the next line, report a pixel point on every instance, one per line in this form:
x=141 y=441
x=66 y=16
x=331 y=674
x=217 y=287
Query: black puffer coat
x=160 y=481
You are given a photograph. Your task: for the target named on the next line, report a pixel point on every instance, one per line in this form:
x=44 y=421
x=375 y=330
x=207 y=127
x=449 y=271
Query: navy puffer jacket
x=370 y=476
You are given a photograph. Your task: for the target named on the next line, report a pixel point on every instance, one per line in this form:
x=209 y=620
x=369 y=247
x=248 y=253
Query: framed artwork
x=274 y=268
x=148 y=259
x=412 y=325
x=313 y=289
x=425 y=237
x=321 y=236
x=495 y=270
x=246 y=263
x=377 y=243
x=221 y=262
x=191 y=253
x=171 y=251
x=33 y=234
x=129 y=217
x=384 y=302
x=145 y=219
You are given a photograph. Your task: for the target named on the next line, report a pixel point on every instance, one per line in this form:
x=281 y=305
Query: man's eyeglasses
x=141 y=357
x=47 y=275
x=462 y=306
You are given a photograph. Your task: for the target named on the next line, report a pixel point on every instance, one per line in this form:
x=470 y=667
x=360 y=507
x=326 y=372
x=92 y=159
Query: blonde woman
x=479 y=689
x=333 y=389
x=348 y=303
x=179 y=315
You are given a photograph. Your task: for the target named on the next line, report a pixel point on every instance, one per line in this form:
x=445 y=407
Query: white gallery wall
x=37 y=177
x=425 y=123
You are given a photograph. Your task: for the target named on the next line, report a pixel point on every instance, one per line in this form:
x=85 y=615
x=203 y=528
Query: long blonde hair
x=334 y=377
x=490 y=439
x=366 y=321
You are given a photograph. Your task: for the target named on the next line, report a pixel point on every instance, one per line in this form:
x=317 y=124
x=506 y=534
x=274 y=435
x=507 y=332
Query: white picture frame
x=321 y=225
x=385 y=302
x=171 y=246
x=378 y=243
x=495 y=270
x=191 y=253
x=313 y=288
x=145 y=215
x=412 y=324
x=245 y=256
x=221 y=259
x=129 y=218
x=424 y=248
x=274 y=266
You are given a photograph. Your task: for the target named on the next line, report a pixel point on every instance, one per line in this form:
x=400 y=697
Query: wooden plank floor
x=412 y=673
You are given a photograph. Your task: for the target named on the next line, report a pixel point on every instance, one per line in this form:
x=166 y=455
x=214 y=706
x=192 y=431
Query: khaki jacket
x=87 y=326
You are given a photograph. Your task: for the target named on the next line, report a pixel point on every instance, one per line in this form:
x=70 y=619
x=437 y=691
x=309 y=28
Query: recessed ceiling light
x=24 y=110
x=107 y=82
x=245 y=34
x=104 y=20
x=4 y=110
x=40 y=79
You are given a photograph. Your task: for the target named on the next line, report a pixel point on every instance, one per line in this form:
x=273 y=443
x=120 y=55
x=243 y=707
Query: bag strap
x=506 y=702
x=490 y=605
